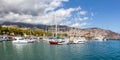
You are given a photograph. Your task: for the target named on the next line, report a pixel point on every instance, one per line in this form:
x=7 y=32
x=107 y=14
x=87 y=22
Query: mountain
x=91 y=32
x=19 y=24
x=40 y=26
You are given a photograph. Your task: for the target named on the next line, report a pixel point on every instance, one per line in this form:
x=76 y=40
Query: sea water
x=92 y=50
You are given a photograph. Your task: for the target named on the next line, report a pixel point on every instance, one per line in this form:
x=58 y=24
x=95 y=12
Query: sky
x=76 y=13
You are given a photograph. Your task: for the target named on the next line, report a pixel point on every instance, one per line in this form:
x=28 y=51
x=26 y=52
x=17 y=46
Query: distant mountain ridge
x=19 y=24
x=107 y=33
x=40 y=26
x=91 y=31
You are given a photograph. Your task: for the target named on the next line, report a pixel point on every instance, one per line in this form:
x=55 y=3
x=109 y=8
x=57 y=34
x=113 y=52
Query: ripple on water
x=92 y=50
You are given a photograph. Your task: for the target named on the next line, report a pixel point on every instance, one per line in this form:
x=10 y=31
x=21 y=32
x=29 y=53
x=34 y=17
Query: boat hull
x=19 y=42
x=53 y=42
x=31 y=41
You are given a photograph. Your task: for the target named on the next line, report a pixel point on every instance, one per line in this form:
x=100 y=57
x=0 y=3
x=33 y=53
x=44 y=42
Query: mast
x=55 y=25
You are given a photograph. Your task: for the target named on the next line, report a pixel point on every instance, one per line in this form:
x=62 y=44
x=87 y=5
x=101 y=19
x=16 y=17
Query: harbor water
x=92 y=50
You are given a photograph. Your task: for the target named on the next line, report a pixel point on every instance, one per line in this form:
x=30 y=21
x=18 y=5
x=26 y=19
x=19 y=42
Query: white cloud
x=79 y=25
x=79 y=18
x=32 y=11
x=79 y=8
x=39 y=12
x=65 y=0
x=85 y=18
x=82 y=12
x=76 y=25
x=83 y=24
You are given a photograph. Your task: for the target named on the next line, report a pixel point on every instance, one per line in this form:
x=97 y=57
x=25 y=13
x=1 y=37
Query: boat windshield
x=21 y=39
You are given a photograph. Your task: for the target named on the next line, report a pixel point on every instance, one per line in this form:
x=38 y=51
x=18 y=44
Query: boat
x=59 y=41
x=6 y=37
x=77 y=40
x=64 y=41
x=81 y=40
x=53 y=42
x=100 y=38
x=3 y=38
x=19 y=40
x=56 y=40
x=31 y=40
x=0 y=38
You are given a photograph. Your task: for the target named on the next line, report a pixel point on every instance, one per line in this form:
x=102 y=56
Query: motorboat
x=100 y=38
x=3 y=38
x=30 y=40
x=77 y=40
x=64 y=41
x=19 y=40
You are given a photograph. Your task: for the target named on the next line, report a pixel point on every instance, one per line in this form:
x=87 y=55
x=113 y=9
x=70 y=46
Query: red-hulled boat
x=53 y=42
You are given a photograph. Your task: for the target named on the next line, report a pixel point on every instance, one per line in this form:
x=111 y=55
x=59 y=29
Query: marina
x=59 y=30
x=92 y=50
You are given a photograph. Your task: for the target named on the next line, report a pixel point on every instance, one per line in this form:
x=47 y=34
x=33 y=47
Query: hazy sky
x=78 y=13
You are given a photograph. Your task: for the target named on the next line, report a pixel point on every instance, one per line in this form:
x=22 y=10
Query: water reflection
x=19 y=47
x=44 y=51
x=24 y=51
x=4 y=46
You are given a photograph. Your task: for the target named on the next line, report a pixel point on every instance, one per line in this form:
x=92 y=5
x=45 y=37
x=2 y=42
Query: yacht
x=100 y=38
x=19 y=40
x=3 y=38
x=77 y=40
x=31 y=40
x=63 y=41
